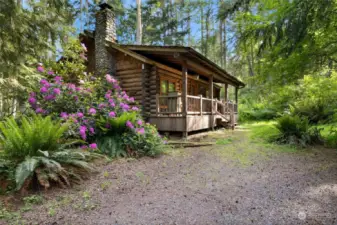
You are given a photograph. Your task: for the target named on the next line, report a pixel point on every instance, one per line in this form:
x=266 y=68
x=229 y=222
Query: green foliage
x=256 y=114
x=295 y=130
x=331 y=139
x=30 y=136
x=224 y=141
x=72 y=64
x=147 y=143
x=35 y=147
x=53 y=167
x=112 y=146
x=263 y=131
x=117 y=124
x=29 y=33
x=316 y=98
x=33 y=200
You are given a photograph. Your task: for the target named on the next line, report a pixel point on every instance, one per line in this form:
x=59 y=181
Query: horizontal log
x=128 y=76
x=132 y=80
x=129 y=89
x=123 y=72
x=128 y=66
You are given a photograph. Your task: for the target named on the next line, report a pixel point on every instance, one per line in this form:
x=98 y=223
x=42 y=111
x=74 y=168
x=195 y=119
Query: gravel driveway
x=235 y=181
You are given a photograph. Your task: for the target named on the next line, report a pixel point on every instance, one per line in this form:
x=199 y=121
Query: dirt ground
x=234 y=181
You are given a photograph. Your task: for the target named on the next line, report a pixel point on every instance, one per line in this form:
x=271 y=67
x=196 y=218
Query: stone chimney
x=105 y=32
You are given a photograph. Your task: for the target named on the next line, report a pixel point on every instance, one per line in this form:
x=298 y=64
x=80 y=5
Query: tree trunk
x=202 y=27
x=139 y=23
x=207 y=20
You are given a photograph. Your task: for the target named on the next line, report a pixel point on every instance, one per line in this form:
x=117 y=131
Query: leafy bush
x=36 y=148
x=143 y=140
x=314 y=111
x=98 y=112
x=331 y=139
x=257 y=115
x=112 y=146
x=295 y=130
x=32 y=135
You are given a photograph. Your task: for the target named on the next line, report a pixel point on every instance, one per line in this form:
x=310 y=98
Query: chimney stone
x=105 y=31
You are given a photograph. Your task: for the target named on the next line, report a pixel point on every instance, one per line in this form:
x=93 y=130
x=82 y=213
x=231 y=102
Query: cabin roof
x=175 y=57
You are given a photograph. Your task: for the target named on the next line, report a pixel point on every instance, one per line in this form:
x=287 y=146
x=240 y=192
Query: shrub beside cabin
x=177 y=88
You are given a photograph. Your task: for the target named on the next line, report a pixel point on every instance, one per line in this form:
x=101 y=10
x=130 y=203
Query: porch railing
x=172 y=105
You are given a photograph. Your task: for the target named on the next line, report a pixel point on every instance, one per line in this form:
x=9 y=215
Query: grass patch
x=265 y=131
x=224 y=141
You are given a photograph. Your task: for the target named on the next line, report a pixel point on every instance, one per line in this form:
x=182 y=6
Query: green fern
x=34 y=146
x=33 y=134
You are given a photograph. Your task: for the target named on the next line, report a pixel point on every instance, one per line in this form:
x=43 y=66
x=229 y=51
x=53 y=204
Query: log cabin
x=177 y=88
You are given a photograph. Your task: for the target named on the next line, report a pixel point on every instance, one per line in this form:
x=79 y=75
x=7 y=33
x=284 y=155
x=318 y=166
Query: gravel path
x=235 y=181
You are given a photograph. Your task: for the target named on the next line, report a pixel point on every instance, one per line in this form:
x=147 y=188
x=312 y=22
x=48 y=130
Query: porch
x=200 y=113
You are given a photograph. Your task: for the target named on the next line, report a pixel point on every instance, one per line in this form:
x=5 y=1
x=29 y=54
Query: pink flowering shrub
x=95 y=113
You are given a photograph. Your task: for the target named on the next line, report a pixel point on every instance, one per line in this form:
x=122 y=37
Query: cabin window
x=171 y=87
x=167 y=86
x=163 y=87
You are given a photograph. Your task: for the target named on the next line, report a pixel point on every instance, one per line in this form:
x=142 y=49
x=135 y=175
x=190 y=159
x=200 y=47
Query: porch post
x=236 y=95
x=226 y=92
x=211 y=97
x=184 y=97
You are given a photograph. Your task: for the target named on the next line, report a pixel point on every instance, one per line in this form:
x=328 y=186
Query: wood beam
x=226 y=92
x=184 y=97
x=211 y=94
x=236 y=95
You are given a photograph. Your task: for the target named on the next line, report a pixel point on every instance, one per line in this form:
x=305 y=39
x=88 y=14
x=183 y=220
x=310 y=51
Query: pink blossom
x=117 y=87
x=84 y=147
x=140 y=130
x=134 y=108
x=108 y=78
x=79 y=115
x=40 y=69
x=76 y=98
x=132 y=99
x=129 y=124
x=44 y=89
x=50 y=72
x=44 y=82
x=39 y=110
x=64 y=115
x=101 y=105
x=124 y=106
x=91 y=130
x=125 y=96
x=93 y=146
x=32 y=94
x=92 y=111
x=107 y=95
x=57 y=91
x=49 y=97
x=82 y=132
x=58 y=79
x=72 y=87
x=32 y=100
x=112 y=114
x=140 y=122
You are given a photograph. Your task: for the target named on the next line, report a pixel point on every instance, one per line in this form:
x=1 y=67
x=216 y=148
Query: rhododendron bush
x=97 y=110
